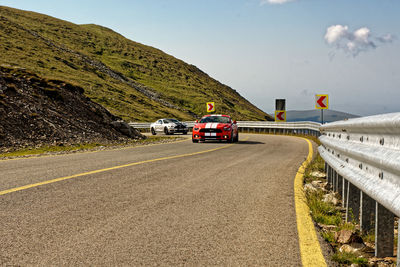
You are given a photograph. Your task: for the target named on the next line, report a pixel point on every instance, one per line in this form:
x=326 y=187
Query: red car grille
x=210 y=130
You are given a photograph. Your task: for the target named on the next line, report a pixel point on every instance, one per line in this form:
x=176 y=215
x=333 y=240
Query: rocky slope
x=36 y=111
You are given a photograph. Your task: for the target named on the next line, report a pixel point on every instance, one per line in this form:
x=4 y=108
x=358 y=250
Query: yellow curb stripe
x=106 y=169
x=310 y=250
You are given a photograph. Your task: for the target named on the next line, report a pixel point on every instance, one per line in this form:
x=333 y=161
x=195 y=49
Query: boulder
x=378 y=262
x=309 y=188
x=352 y=248
x=327 y=228
x=126 y=129
x=347 y=237
x=318 y=174
x=319 y=185
x=330 y=198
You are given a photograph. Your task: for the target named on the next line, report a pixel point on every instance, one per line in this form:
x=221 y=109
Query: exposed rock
x=344 y=236
x=330 y=198
x=319 y=185
x=347 y=237
x=327 y=228
x=378 y=262
x=126 y=129
x=309 y=188
x=352 y=248
x=318 y=174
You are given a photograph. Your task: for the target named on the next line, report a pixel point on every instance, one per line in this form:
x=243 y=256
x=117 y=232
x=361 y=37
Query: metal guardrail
x=310 y=128
x=363 y=165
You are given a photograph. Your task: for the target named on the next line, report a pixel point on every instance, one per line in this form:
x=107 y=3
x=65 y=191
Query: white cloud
x=334 y=33
x=362 y=35
x=274 y=2
x=355 y=42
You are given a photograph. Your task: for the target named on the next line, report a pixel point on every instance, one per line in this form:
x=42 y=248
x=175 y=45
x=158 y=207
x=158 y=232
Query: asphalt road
x=201 y=204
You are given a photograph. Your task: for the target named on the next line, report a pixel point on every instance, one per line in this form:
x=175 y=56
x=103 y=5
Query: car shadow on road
x=239 y=143
x=250 y=143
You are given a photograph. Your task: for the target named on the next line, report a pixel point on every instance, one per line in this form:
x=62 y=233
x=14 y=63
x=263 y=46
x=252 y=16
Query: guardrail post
x=344 y=193
x=398 y=243
x=384 y=234
x=340 y=185
x=335 y=182
x=367 y=212
x=328 y=174
x=353 y=203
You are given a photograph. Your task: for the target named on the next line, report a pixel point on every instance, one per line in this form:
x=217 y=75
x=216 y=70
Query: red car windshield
x=218 y=119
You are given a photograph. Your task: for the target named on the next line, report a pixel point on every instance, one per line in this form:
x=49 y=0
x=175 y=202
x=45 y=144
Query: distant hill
x=315 y=115
x=132 y=80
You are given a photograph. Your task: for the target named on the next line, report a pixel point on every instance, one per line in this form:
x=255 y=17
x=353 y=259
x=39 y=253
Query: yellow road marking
x=108 y=169
x=310 y=250
x=90 y=152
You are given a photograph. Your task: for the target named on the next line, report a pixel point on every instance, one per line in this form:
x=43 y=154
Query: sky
x=266 y=49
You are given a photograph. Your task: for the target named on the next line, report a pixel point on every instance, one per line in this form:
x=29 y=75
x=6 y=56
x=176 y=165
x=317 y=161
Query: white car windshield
x=219 y=119
x=171 y=120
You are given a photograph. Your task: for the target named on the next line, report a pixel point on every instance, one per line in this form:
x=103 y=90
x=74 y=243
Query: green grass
x=348 y=226
x=321 y=212
x=317 y=164
x=180 y=83
x=81 y=147
x=46 y=149
x=349 y=258
x=329 y=237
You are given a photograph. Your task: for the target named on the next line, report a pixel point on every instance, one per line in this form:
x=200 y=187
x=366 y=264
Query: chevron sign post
x=322 y=102
x=280 y=115
x=210 y=106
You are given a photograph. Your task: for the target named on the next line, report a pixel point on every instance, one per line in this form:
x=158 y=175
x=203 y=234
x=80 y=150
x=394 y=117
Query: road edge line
x=310 y=249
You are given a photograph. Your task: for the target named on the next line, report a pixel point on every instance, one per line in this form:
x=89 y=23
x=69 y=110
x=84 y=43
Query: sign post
x=210 y=107
x=322 y=102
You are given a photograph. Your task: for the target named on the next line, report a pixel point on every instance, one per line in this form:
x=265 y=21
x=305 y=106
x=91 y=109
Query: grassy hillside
x=134 y=81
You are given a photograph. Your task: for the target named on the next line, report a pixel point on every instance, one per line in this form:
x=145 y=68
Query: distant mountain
x=315 y=115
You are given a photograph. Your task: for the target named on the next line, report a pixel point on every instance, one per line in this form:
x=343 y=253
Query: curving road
x=168 y=204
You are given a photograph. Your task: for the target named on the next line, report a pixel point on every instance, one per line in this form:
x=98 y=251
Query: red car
x=215 y=127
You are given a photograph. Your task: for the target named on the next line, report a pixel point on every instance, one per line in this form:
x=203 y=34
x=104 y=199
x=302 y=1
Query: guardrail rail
x=362 y=162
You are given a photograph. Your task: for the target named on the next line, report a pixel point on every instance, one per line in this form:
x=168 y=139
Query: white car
x=168 y=126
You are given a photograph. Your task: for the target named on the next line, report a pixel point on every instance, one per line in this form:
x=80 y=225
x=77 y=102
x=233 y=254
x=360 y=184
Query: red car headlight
x=227 y=128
